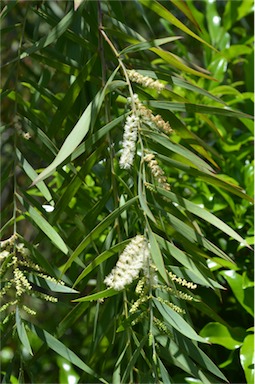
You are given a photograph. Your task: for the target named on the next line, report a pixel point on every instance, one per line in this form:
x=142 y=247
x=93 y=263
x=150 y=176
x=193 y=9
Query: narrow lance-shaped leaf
x=99 y=259
x=148 y=44
x=194 y=160
x=203 y=213
x=176 y=321
x=32 y=175
x=79 y=131
x=71 y=95
x=96 y=231
x=98 y=295
x=156 y=254
x=44 y=226
x=50 y=285
x=176 y=62
x=183 y=6
x=197 y=108
x=163 y=12
x=55 y=33
x=22 y=332
x=62 y=350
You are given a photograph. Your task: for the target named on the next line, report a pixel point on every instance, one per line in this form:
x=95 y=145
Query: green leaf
x=71 y=95
x=55 y=33
x=50 y=285
x=132 y=361
x=194 y=88
x=208 y=178
x=32 y=175
x=96 y=232
x=247 y=358
x=44 y=226
x=197 y=108
x=175 y=320
x=142 y=195
x=22 y=332
x=99 y=259
x=148 y=44
x=156 y=254
x=176 y=62
x=202 y=213
x=230 y=338
x=62 y=350
x=183 y=6
x=197 y=268
x=194 y=237
x=163 y=12
x=175 y=355
x=80 y=130
x=99 y=295
x=95 y=137
x=245 y=296
x=193 y=160
x=163 y=371
x=191 y=349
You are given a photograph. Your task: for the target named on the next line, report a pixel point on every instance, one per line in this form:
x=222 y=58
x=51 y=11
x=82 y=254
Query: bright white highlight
x=216 y=20
x=48 y=208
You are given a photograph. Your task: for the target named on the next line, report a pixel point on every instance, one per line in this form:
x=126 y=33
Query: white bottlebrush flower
x=131 y=261
x=129 y=142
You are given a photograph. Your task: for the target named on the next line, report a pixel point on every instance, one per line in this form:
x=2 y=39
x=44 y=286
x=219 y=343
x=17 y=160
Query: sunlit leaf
x=163 y=12
x=175 y=320
x=22 y=332
x=44 y=225
x=226 y=336
x=99 y=295
x=247 y=358
x=62 y=350
x=80 y=130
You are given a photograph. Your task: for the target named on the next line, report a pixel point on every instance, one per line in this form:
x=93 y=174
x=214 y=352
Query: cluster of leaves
x=64 y=95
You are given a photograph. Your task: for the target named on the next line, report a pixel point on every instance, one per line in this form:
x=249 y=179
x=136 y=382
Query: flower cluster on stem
x=132 y=260
x=15 y=267
x=157 y=171
x=129 y=142
x=145 y=81
x=148 y=118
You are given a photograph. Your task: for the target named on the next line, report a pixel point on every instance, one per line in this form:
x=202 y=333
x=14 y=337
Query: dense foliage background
x=65 y=89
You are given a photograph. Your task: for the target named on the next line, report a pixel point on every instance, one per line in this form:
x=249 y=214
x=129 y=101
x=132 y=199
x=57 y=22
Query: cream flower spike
x=129 y=142
x=145 y=80
x=132 y=260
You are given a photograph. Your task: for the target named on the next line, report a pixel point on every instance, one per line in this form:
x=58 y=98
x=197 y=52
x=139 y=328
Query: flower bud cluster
x=129 y=142
x=176 y=308
x=181 y=281
x=157 y=172
x=139 y=290
x=130 y=263
x=138 y=302
x=161 y=326
x=22 y=285
x=148 y=118
x=29 y=310
x=15 y=267
x=145 y=81
x=46 y=297
x=139 y=318
x=172 y=291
